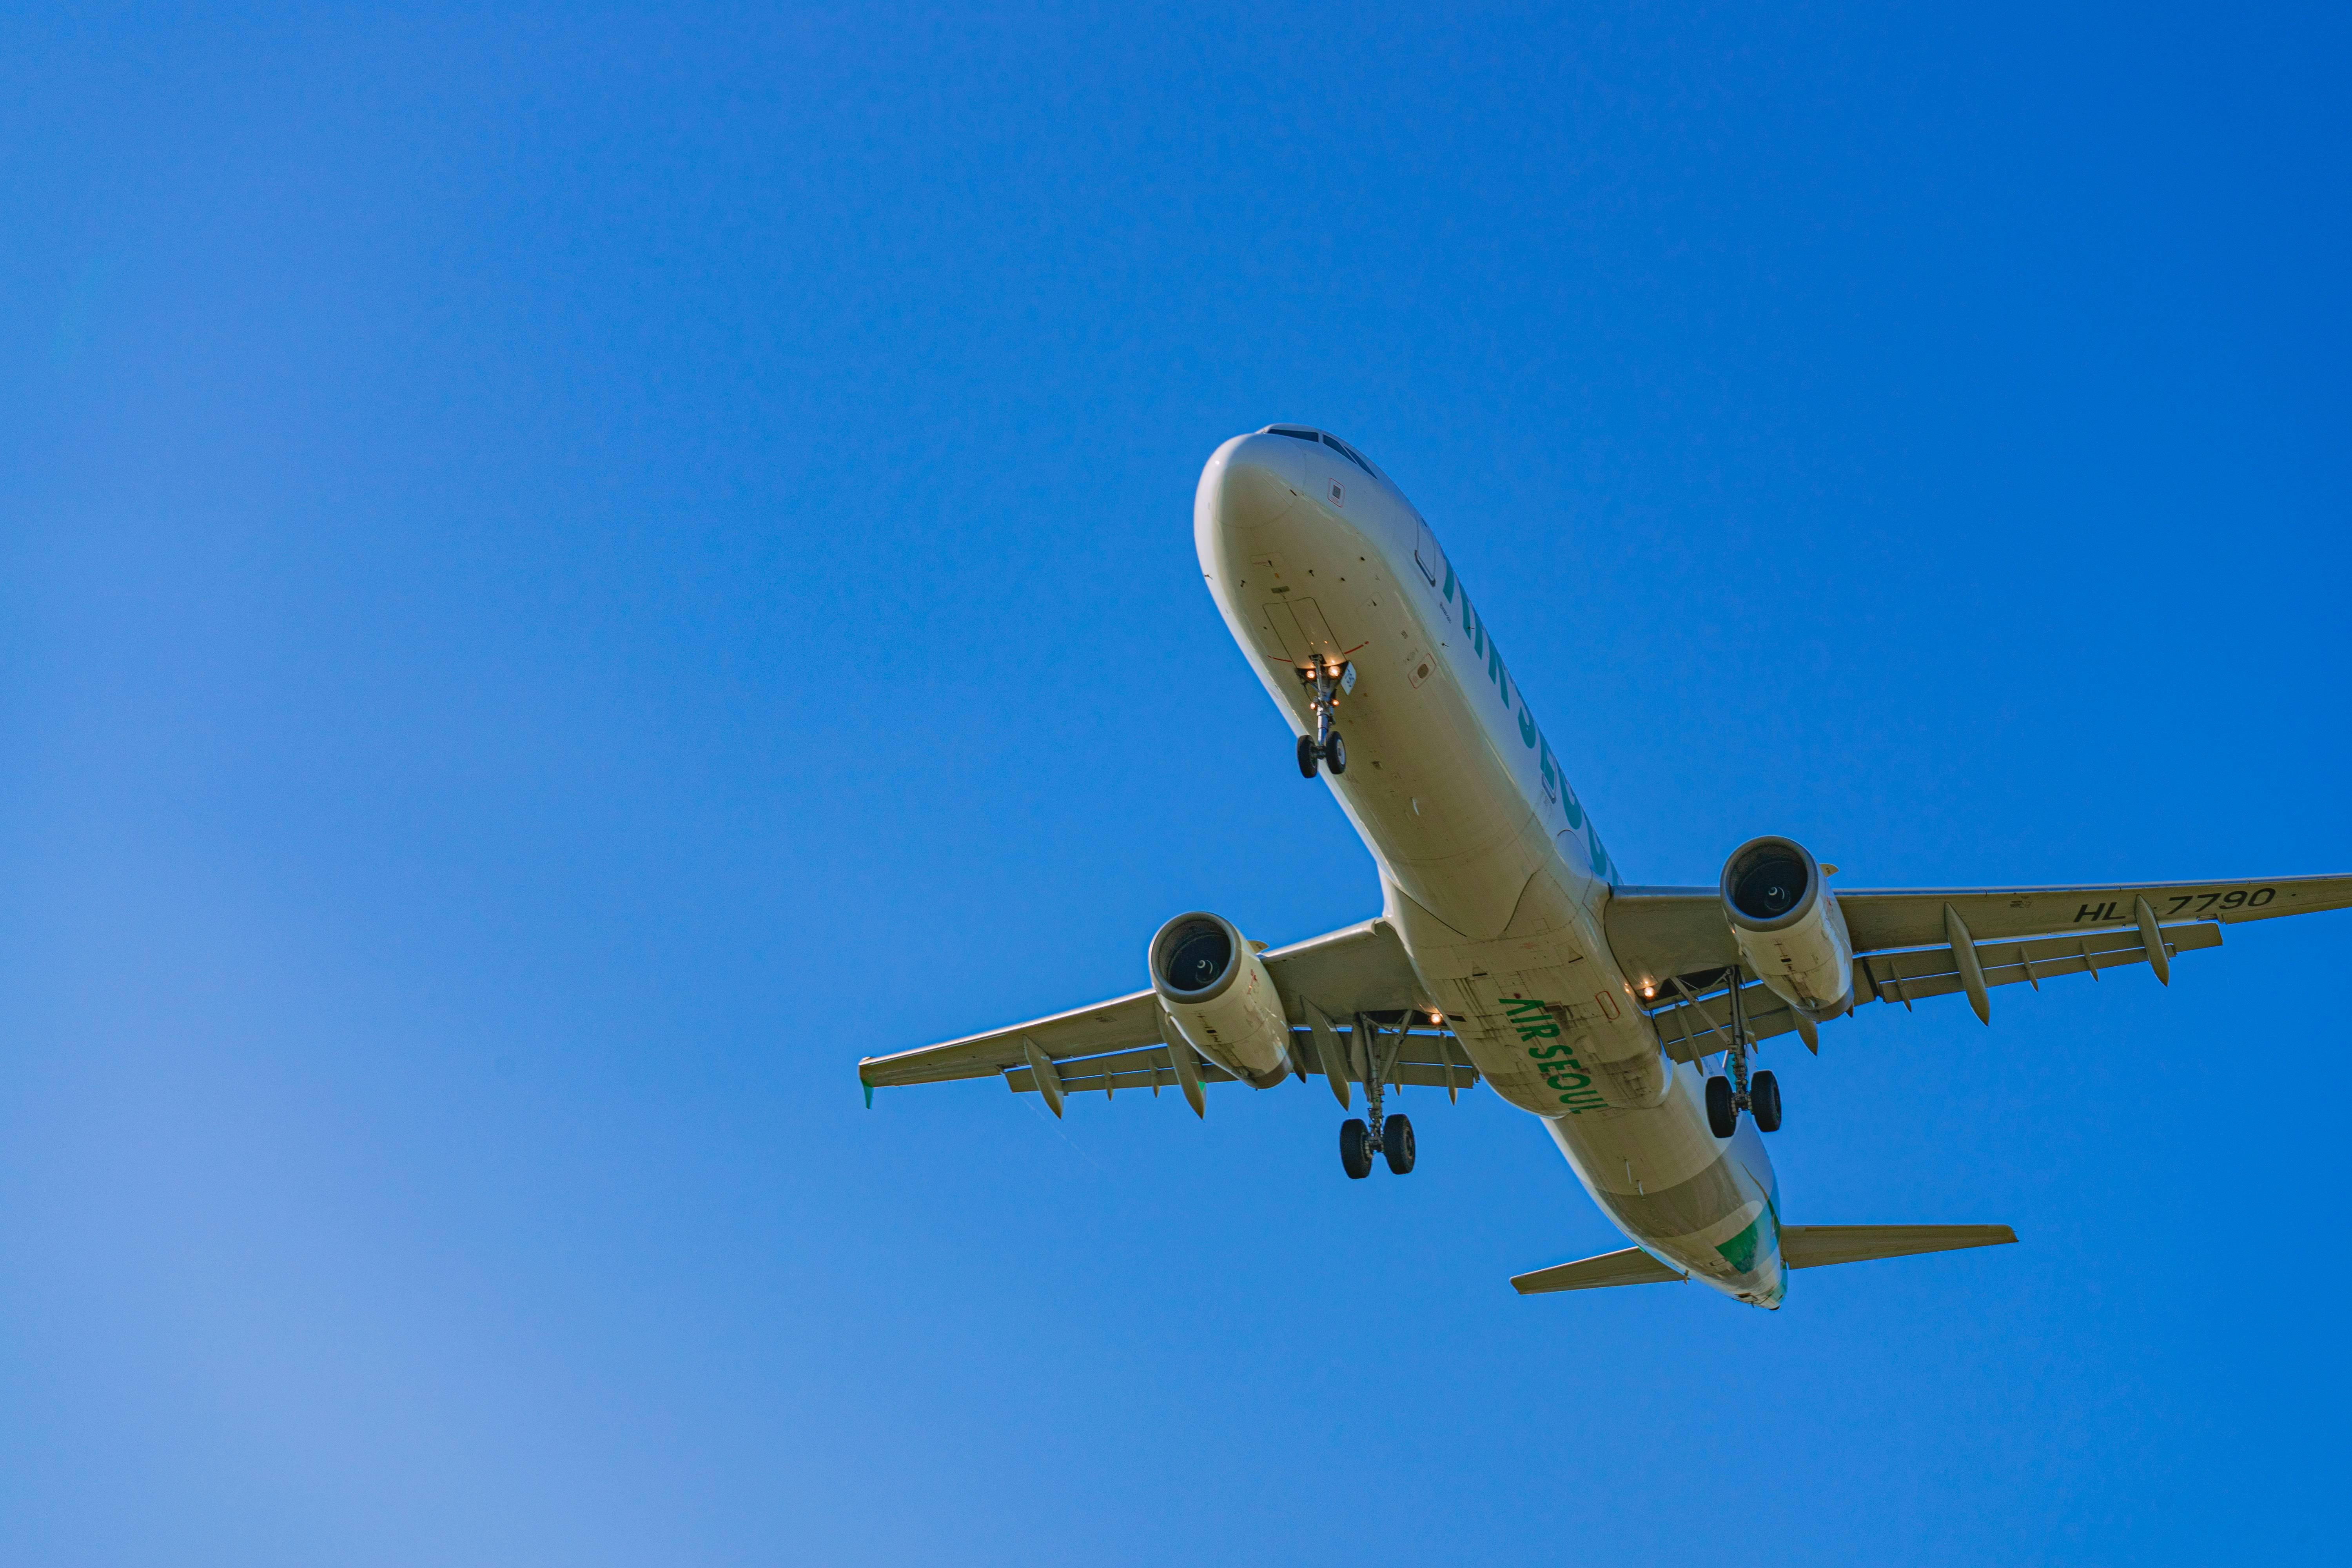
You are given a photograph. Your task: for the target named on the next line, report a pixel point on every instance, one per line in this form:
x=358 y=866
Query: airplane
x=1509 y=948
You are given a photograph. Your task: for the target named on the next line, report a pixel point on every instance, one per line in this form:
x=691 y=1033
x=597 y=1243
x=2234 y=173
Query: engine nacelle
x=1789 y=926
x=1216 y=988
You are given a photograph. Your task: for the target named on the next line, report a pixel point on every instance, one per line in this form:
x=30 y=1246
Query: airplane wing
x=1118 y=1044
x=1676 y=942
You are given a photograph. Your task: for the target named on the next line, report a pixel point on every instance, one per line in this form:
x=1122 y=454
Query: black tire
x=1306 y=756
x=1355 y=1156
x=1396 y=1144
x=1335 y=755
x=1722 y=1118
x=1764 y=1102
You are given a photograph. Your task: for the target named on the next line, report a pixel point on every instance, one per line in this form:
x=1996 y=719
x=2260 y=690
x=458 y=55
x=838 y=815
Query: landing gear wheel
x=1764 y=1099
x=1396 y=1144
x=1355 y=1152
x=1335 y=755
x=1306 y=756
x=1722 y=1119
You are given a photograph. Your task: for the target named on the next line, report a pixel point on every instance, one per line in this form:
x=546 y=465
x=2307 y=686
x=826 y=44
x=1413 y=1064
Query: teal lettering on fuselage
x=1554 y=1056
x=1555 y=780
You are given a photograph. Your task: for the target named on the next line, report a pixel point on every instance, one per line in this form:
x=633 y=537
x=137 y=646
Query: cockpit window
x=1300 y=433
x=1347 y=452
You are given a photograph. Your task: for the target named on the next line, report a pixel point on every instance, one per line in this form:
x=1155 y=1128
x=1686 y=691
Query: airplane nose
x=1253 y=479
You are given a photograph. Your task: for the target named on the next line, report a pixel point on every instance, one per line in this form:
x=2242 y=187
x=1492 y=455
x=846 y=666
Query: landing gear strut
x=1727 y=1098
x=1325 y=688
x=1391 y=1136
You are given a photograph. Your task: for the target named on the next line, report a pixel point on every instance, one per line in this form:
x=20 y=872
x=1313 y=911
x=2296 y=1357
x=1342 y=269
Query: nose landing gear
x=1325 y=686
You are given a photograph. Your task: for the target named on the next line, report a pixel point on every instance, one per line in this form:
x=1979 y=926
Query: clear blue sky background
x=568 y=574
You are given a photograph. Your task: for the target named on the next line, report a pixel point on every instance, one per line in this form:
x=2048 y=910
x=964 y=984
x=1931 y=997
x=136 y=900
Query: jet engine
x=1215 y=987
x=1789 y=926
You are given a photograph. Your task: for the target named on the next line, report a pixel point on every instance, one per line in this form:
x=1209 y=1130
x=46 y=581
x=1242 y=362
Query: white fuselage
x=1493 y=874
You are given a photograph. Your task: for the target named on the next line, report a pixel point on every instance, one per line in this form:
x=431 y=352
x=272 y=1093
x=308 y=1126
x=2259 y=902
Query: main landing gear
x=1759 y=1095
x=1325 y=686
x=1760 y=1098
x=1359 y=1142
x=1391 y=1136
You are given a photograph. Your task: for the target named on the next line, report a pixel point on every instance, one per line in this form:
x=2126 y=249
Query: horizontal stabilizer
x=1801 y=1247
x=1814 y=1245
x=1631 y=1267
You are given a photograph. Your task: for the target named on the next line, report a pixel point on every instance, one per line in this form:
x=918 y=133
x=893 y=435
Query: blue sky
x=567 y=573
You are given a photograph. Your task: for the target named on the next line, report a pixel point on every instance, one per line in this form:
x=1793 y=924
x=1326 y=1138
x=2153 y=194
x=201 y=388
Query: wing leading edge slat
x=1658 y=932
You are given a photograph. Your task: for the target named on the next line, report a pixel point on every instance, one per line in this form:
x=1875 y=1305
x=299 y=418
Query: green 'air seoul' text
x=1556 y=1056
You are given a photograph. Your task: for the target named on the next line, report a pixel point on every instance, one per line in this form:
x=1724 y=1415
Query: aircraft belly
x=1426 y=785
x=1448 y=773
x=1461 y=844
x=1491 y=872
x=1541 y=1007
x=1493 y=902
x=1709 y=1206
x=1423 y=785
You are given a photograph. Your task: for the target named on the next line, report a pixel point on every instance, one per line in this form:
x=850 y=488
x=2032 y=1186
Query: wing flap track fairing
x=1690 y=1029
